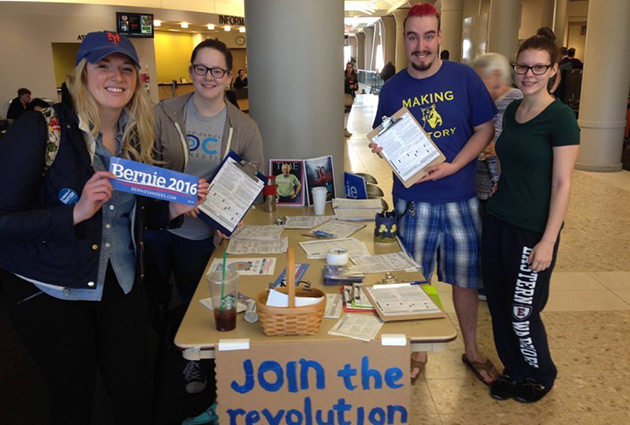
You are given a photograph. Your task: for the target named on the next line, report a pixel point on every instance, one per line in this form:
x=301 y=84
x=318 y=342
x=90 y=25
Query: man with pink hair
x=439 y=215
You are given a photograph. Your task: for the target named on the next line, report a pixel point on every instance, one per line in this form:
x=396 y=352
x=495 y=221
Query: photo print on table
x=289 y=175
x=319 y=172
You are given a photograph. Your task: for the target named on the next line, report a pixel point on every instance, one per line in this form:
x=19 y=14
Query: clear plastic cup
x=224 y=296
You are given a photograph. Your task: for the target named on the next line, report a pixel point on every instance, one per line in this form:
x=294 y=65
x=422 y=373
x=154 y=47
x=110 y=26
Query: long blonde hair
x=138 y=134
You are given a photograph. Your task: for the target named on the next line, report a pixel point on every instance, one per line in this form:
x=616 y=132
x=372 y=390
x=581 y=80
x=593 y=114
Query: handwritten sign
x=154 y=182
x=339 y=382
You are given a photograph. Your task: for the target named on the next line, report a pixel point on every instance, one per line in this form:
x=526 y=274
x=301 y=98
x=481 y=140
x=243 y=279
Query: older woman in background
x=496 y=73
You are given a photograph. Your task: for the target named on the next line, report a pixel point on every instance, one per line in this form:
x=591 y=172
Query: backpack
x=54 y=138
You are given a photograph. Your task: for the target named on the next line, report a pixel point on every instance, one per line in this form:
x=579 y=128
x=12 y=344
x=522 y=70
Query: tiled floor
x=587 y=317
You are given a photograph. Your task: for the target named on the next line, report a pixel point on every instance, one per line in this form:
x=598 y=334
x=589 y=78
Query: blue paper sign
x=154 y=182
x=355 y=186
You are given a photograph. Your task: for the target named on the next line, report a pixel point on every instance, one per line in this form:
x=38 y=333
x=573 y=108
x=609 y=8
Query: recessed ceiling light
x=184 y=24
x=242 y=29
x=227 y=28
x=157 y=23
x=210 y=27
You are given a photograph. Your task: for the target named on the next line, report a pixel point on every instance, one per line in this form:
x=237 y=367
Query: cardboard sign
x=154 y=182
x=336 y=382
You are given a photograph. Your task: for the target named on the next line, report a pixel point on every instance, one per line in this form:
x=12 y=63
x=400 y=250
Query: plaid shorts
x=449 y=234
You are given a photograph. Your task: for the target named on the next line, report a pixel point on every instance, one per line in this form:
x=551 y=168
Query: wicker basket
x=291 y=320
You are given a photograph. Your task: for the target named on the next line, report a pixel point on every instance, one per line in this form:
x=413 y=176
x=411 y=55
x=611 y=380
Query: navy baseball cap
x=97 y=45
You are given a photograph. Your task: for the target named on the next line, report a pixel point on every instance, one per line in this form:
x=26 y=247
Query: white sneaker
x=195 y=382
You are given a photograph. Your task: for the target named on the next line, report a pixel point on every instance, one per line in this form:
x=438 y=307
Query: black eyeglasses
x=202 y=70
x=521 y=69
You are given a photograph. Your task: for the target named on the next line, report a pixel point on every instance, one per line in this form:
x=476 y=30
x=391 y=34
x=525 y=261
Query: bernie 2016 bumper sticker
x=154 y=182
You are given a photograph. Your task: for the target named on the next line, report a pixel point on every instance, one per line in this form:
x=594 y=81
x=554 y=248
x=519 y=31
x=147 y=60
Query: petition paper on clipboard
x=231 y=193
x=406 y=147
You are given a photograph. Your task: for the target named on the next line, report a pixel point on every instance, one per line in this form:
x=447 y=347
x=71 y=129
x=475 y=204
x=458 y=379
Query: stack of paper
x=319 y=249
x=258 y=240
x=356 y=209
x=357 y=326
x=386 y=263
x=305 y=221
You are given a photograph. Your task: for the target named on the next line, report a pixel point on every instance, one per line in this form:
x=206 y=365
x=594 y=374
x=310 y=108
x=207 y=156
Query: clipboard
x=379 y=308
x=408 y=156
x=223 y=208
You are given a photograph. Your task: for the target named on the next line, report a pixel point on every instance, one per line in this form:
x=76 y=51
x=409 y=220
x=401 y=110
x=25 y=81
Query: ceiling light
x=210 y=27
x=157 y=23
x=184 y=24
x=227 y=28
x=242 y=29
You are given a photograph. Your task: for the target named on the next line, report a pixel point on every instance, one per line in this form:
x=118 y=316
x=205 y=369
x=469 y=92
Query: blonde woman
x=71 y=251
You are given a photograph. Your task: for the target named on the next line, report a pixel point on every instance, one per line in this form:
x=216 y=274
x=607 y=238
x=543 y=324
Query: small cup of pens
x=385 y=227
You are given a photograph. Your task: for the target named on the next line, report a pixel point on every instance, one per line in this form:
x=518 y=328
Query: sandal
x=478 y=367
x=416 y=364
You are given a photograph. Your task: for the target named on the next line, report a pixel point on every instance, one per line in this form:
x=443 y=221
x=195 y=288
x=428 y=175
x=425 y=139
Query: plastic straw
x=223 y=280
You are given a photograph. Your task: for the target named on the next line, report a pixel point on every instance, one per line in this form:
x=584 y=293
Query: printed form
x=407 y=148
x=230 y=195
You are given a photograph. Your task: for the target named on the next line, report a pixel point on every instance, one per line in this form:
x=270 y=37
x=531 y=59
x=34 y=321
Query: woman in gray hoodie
x=194 y=132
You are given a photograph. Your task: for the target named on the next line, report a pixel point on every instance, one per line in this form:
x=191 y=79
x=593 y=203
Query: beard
x=423 y=66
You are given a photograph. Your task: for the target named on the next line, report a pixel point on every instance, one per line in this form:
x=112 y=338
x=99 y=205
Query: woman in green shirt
x=537 y=151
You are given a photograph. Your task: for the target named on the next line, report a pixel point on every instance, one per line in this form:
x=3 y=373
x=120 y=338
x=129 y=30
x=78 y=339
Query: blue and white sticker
x=154 y=182
x=68 y=196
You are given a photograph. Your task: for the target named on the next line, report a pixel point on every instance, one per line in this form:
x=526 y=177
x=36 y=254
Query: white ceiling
x=358 y=15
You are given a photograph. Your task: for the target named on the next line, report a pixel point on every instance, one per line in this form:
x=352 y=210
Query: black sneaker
x=502 y=388
x=530 y=391
x=195 y=380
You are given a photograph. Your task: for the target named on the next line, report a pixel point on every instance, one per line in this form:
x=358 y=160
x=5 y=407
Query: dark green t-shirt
x=526 y=154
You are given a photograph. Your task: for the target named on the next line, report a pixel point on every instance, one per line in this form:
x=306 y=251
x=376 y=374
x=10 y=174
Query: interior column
x=452 y=19
x=295 y=61
x=503 y=25
x=401 y=56
x=605 y=83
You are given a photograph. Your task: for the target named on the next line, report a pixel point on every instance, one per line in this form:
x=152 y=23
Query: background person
x=38 y=104
x=241 y=80
x=538 y=149
x=194 y=133
x=19 y=105
x=388 y=71
x=440 y=213
x=496 y=74
x=575 y=62
x=445 y=55
x=70 y=247
x=351 y=84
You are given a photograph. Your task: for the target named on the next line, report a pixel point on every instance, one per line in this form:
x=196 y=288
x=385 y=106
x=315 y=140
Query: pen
x=322 y=234
x=30 y=297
